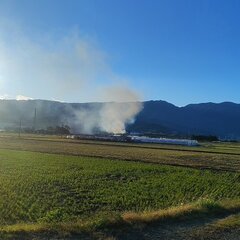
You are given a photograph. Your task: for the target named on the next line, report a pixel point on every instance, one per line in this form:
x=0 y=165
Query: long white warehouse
x=185 y=142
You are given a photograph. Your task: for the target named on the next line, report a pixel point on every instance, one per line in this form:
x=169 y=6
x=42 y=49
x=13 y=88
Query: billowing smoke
x=115 y=115
x=109 y=117
x=70 y=68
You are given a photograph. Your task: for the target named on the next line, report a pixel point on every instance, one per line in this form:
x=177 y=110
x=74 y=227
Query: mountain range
x=218 y=119
x=157 y=117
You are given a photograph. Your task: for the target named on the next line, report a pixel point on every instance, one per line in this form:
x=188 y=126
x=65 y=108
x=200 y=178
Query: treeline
x=205 y=138
x=56 y=130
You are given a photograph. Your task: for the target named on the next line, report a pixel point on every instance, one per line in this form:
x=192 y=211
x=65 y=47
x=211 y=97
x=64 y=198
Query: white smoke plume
x=111 y=117
x=115 y=115
x=74 y=65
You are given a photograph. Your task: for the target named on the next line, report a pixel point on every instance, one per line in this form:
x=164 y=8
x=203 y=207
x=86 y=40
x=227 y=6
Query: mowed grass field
x=54 y=181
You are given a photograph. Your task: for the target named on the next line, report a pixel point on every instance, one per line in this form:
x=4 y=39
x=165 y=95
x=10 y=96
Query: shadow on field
x=191 y=229
x=185 y=229
x=205 y=219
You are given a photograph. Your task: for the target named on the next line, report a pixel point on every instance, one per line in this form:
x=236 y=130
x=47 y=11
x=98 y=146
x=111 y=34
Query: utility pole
x=35 y=120
x=20 y=128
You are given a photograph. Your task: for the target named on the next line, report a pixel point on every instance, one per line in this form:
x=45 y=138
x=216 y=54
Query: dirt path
x=197 y=229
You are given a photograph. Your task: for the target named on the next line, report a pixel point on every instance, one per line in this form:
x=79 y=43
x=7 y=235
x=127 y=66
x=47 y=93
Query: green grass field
x=54 y=181
x=224 y=157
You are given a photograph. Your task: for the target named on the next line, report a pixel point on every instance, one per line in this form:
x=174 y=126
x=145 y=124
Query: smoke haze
x=53 y=68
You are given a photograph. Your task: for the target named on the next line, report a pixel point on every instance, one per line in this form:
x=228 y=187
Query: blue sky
x=179 y=51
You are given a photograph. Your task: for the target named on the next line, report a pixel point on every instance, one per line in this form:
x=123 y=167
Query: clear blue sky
x=175 y=50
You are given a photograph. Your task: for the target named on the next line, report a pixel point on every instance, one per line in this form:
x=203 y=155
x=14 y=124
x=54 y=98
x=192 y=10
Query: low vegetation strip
x=202 y=208
x=232 y=221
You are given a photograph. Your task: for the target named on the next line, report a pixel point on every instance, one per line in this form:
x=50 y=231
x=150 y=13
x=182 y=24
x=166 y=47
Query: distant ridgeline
x=158 y=118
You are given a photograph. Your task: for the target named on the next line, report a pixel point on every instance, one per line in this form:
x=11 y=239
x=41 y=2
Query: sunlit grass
x=202 y=207
x=196 y=210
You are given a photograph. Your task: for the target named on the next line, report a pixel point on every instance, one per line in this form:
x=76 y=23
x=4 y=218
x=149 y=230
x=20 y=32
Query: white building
x=185 y=142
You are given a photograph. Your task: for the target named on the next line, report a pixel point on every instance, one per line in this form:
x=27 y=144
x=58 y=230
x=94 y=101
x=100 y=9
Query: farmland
x=218 y=156
x=50 y=183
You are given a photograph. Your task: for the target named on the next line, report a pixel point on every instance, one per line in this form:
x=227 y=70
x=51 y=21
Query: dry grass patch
x=232 y=221
x=161 y=215
x=202 y=207
x=102 y=225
